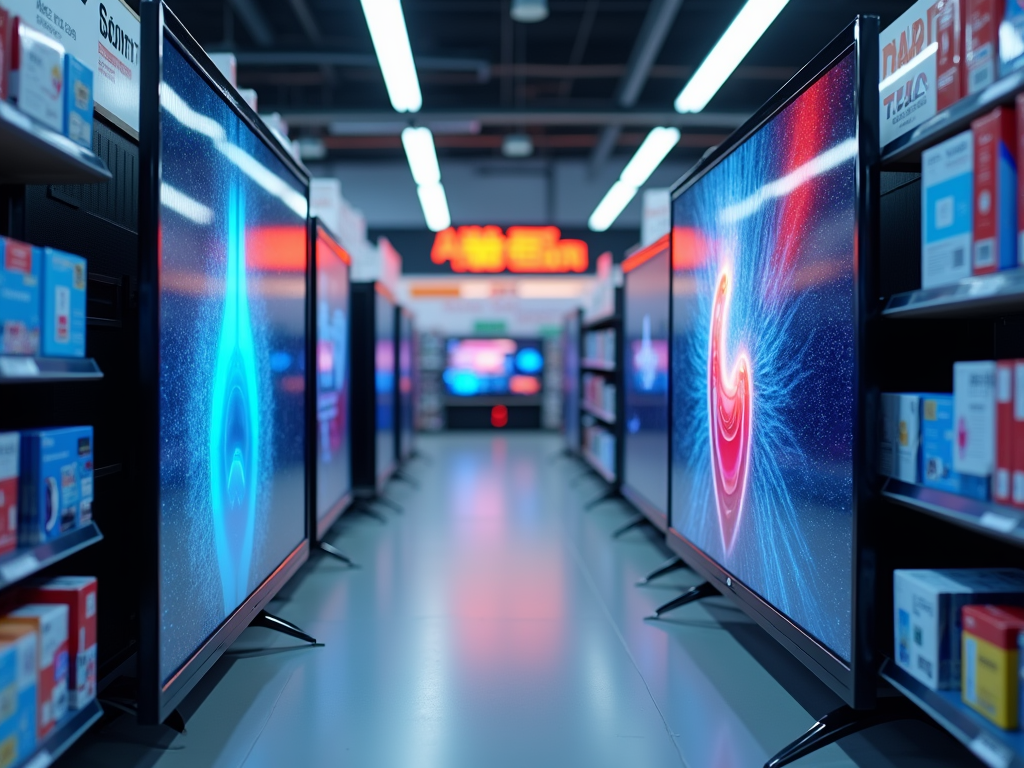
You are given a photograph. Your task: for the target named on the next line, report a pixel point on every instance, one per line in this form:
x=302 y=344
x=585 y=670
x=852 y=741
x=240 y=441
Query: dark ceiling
x=483 y=75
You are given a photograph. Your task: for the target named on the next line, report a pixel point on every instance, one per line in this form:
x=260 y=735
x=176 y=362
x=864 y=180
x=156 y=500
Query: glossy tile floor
x=495 y=623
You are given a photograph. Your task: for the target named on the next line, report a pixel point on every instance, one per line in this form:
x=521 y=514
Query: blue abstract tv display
x=646 y=377
x=763 y=359
x=334 y=433
x=384 y=379
x=406 y=373
x=232 y=297
x=494 y=367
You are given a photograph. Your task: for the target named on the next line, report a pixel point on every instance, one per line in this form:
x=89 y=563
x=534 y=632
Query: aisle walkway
x=494 y=624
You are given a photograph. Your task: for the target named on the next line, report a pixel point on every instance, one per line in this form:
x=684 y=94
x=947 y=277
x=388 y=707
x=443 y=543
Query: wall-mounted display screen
x=646 y=331
x=763 y=359
x=384 y=381
x=334 y=433
x=494 y=367
x=232 y=341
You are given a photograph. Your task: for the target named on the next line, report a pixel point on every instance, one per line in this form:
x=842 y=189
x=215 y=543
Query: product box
x=950 y=64
x=1017 y=480
x=974 y=414
x=10 y=454
x=79 y=594
x=1011 y=38
x=938 y=437
x=995 y=191
x=907 y=94
x=20 y=273
x=63 y=304
x=947 y=216
x=982 y=53
x=1004 y=432
x=5 y=50
x=37 y=76
x=899 y=452
x=926 y=607
x=50 y=622
x=78 y=107
x=990 y=661
x=8 y=705
x=56 y=482
x=21 y=727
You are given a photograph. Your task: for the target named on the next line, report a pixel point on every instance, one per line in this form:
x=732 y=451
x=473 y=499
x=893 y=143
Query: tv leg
x=174 y=721
x=402 y=477
x=634 y=522
x=269 y=621
x=607 y=496
x=333 y=551
x=691 y=595
x=366 y=509
x=386 y=502
x=843 y=722
x=669 y=566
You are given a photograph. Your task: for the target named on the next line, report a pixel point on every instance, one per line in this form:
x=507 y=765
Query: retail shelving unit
x=600 y=370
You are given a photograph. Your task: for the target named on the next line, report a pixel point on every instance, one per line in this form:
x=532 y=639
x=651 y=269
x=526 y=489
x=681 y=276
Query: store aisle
x=495 y=624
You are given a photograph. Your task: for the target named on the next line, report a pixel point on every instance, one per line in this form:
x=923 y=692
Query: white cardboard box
x=907 y=93
x=974 y=417
x=900 y=449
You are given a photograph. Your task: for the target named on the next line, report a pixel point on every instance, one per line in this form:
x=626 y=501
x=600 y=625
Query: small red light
x=499 y=416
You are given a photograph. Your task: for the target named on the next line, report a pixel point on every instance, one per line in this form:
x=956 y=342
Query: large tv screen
x=384 y=382
x=571 y=381
x=231 y=349
x=334 y=433
x=646 y=332
x=406 y=377
x=764 y=333
x=494 y=367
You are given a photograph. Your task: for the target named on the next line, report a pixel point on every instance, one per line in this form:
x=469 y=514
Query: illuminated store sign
x=517 y=249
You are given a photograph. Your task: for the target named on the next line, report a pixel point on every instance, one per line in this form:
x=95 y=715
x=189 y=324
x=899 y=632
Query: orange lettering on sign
x=519 y=249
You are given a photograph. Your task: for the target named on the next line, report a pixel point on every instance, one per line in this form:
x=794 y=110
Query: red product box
x=1020 y=183
x=10 y=450
x=5 y=51
x=950 y=32
x=982 y=42
x=79 y=594
x=1017 y=481
x=1004 y=431
x=995 y=191
x=50 y=623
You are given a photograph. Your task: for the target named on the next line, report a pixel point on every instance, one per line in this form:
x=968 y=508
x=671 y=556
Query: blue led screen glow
x=494 y=367
x=232 y=296
x=646 y=376
x=406 y=408
x=384 y=378
x=571 y=381
x=334 y=434
x=763 y=339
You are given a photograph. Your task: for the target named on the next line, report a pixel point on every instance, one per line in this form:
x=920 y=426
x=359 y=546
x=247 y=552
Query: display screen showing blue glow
x=384 y=377
x=646 y=359
x=406 y=372
x=763 y=385
x=334 y=434
x=571 y=381
x=232 y=295
x=490 y=367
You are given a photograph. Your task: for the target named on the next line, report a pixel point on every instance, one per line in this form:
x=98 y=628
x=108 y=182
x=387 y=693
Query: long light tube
x=435 y=206
x=638 y=170
x=391 y=42
x=746 y=29
x=419 y=149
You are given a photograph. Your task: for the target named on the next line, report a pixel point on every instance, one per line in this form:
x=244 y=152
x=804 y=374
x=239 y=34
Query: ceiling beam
x=504 y=117
x=255 y=23
x=306 y=20
x=481 y=67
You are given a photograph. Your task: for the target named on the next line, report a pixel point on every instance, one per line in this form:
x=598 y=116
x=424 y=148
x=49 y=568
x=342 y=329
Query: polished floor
x=494 y=623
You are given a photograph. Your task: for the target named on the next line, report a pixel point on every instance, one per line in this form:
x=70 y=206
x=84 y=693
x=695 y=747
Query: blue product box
x=56 y=482
x=78 y=106
x=947 y=211
x=8 y=704
x=18 y=693
x=20 y=270
x=1011 y=39
x=63 y=304
x=937 y=436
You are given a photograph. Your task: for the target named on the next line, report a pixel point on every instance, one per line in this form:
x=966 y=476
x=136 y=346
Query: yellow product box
x=989 y=669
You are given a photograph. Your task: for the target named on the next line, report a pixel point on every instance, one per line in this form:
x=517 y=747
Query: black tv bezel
x=855 y=681
x=319 y=525
x=507 y=398
x=573 y=317
x=383 y=474
x=157 y=698
x=634 y=494
x=402 y=314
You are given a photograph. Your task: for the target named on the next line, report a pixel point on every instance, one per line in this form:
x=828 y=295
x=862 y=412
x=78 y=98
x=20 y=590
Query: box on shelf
x=995 y=191
x=1004 y=432
x=907 y=94
x=5 y=50
x=10 y=450
x=990 y=661
x=63 y=304
x=20 y=702
x=78 y=108
x=901 y=436
x=20 y=273
x=1020 y=197
x=37 y=75
x=79 y=594
x=1017 y=479
x=50 y=623
x=947 y=218
x=938 y=437
x=949 y=64
x=926 y=606
x=1011 y=38
x=56 y=482
x=982 y=53
x=974 y=414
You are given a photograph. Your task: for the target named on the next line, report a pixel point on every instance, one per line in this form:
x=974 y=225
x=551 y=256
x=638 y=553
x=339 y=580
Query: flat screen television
x=645 y=378
x=571 y=381
x=494 y=367
x=770 y=241
x=332 y=315
x=223 y=287
x=406 y=383
x=385 y=367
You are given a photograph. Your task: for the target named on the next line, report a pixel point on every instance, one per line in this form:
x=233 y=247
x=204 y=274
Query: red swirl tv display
x=766 y=325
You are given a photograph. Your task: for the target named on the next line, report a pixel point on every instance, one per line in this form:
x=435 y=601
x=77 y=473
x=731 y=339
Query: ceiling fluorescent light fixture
x=529 y=11
x=435 y=206
x=419 y=149
x=391 y=42
x=638 y=170
x=746 y=29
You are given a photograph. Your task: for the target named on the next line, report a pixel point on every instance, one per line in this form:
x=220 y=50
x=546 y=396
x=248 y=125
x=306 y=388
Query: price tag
x=18 y=367
x=991 y=752
x=19 y=568
x=42 y=760
x=985 y=287
x=998 y=522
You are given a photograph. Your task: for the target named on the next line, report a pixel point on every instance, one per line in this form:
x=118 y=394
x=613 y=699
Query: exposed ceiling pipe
x=481 y=67
x=255 y=23
x=306 y=20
